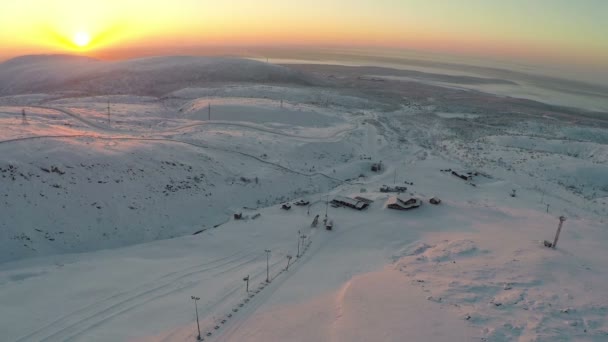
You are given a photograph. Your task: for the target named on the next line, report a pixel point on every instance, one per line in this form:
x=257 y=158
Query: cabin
x=342 y=201
x=400 y=203
x=377 y=167
x=363 y=199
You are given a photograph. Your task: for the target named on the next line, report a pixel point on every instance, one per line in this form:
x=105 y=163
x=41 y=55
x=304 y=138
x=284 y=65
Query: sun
x=81 y=39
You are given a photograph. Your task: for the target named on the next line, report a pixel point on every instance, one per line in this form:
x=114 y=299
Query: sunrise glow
x=526 y=30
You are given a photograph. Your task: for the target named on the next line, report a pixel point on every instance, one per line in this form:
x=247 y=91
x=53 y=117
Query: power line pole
x=195 y=299
x=108 y=112
x=209 y=110
x=23 y=117
x=267 y=265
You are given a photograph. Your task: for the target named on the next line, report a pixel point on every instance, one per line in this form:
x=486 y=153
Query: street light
x=246 y=279
x=298 y=255
x=559 y=230
x=303 y=237
x=288 y=260
x=267 y=265
x=195 y=299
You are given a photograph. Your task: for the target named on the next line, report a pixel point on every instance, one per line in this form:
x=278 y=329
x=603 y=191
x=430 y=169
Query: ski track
x=115 y=305
x=75 y=324
x=258 y=128
x=279 y=166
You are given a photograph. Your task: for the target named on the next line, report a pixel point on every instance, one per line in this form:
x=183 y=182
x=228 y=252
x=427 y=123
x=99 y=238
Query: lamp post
x=246 y=279
x=303 y=237
x=559 y=230
x=298 y=255
x=267 y=265
x=288 y=260
x=195 y=299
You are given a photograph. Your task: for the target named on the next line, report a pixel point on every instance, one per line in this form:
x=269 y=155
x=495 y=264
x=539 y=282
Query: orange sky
x=557 y=31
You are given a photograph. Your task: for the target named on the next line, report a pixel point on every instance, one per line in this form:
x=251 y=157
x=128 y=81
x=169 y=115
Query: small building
x=400 y=203
x=363 y=199
x=377 y=167
x=349 y=202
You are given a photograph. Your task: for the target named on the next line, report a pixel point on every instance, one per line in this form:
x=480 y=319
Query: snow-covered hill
x=112 y=218
x=145 y=76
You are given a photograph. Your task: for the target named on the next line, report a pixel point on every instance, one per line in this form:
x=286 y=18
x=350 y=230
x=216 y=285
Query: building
x=400 y=203
x=349 y=202
x=435 y=200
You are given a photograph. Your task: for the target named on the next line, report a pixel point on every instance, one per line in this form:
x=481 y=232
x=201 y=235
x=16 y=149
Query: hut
x=363 y=199
x=349 y=202
x=400 y=203
x=435 y=200
x=377 y=167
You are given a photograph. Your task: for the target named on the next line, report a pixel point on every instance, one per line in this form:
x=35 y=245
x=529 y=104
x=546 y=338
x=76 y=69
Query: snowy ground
x=108 y=228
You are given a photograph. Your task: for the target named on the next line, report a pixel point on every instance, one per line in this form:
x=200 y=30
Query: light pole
x=246 y=279
x=559 y=230
x=298 y=255
x=195 y=299
x=267 y=265
x=288 y=260
x=303 y=237
x=326 y=208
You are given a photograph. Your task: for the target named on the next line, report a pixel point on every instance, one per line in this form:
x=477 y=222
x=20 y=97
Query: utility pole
x=108 y=112
x=288 y=260
x=281 y=103
x=559 y=230
x=23 y=117
x=195 y=299
x=267 y=265
x=209 y=110
x=395 y=177
x=246 y=279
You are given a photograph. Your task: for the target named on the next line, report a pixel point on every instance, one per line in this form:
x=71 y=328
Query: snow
x=108 y=228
